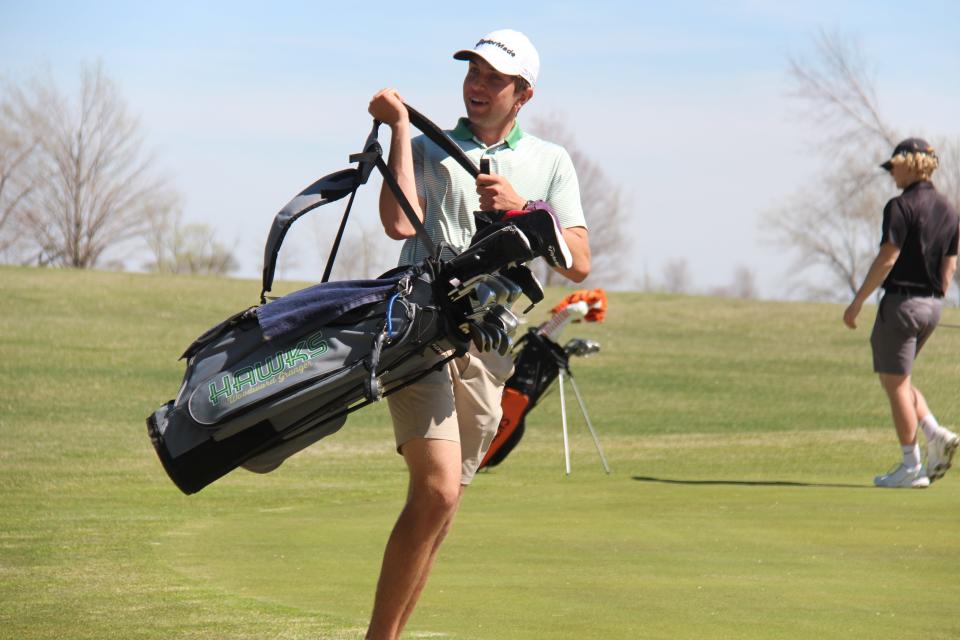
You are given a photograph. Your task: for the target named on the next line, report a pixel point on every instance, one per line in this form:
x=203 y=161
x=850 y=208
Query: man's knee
x=434 y=466
x=436 y=498
x=895 y=383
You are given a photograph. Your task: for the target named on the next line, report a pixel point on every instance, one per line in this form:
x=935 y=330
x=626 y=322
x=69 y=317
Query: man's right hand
x=851 y=312
x=387 y=107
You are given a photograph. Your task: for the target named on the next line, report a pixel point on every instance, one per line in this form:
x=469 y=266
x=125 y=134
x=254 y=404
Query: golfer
x=445 y=423
x=915 y=264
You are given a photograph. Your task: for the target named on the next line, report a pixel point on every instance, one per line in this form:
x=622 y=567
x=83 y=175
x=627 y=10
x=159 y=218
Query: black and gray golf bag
x=279 y=376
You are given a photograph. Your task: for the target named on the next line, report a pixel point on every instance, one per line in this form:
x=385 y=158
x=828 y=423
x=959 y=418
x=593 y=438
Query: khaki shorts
x=460 y=403
x=902 y=327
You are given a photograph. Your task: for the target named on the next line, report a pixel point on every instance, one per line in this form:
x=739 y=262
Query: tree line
x=78 y=189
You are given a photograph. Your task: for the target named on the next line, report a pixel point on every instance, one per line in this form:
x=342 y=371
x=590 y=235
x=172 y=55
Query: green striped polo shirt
x=537 y=169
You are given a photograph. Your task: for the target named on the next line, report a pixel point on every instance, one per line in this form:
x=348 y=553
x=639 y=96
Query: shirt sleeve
x=894 y=224
x=564 y=193
x=954 y=241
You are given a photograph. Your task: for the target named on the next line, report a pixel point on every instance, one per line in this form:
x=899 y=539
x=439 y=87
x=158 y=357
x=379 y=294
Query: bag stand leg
x=586 y=417
x=563 y=419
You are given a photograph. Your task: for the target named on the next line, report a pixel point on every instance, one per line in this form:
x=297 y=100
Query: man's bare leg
x=920 y=403
x=415 y=596
x=903 y=406
x=432 y=500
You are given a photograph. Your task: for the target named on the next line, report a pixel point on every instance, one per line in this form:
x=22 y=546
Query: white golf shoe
x=940 y=450
x=904 y=478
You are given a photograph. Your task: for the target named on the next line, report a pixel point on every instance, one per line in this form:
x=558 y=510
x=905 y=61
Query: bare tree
x=186 y=248
x=744 y=284
x=838 y=92
x=604 y=209
x=676 y=276
x=17 y=179
x=834 y=225
x=93 y=185
x=947 y=177
x=362 y=254
x=831 y=227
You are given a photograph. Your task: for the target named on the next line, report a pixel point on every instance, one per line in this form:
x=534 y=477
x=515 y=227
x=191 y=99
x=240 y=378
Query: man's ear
x=524 y=97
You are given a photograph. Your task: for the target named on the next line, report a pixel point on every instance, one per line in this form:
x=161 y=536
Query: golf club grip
x=485 y=165
x=441 y=139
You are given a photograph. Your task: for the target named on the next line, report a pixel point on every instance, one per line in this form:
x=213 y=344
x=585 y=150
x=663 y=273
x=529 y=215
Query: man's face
x=489 y=95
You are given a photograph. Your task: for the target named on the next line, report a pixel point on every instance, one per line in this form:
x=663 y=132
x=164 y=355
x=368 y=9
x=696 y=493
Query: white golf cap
x=509 y=52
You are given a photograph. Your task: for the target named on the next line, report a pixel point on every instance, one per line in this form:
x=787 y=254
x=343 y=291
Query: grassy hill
x=743 y=438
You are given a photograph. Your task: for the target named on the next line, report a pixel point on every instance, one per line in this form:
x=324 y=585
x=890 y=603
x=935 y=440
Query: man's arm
x=578 y=240
x=387 y=107
x=879 y=269
x=949 y=266
x=947 y=271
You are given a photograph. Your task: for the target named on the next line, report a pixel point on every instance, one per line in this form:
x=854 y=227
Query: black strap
x=336 y=241
x=418 y=227
x=442 y=140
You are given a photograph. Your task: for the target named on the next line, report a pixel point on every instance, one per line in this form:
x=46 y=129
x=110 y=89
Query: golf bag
x=538 y=361
x=277 y=377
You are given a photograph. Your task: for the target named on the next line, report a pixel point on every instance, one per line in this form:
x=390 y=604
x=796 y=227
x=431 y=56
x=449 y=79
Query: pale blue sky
x=244 y=104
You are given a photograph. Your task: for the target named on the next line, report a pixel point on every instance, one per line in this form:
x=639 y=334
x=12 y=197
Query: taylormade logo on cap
x=509 y=52
x=496 y=44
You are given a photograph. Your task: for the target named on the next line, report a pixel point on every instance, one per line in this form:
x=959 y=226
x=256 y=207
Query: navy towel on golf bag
x=322 y=303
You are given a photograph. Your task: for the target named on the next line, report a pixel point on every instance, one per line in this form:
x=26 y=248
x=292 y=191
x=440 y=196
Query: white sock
x=930 y=426
x=911 y=455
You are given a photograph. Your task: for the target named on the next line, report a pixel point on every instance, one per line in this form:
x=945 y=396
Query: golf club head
x=502 y=317
x=483 y=295
x=481 y=337
x=491 y=336
x=506 y=290
x=514 y=290
x=492 y=333
x=505 y=344
x=500 y=340
x=581 y=348
x=475 y=335
x=524 y=278
x=502 y=291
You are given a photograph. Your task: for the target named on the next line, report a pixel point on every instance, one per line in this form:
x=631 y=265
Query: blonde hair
x=922 y=165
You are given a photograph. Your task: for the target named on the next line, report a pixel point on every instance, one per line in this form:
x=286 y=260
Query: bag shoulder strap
x=345 y=182
x=436 y=135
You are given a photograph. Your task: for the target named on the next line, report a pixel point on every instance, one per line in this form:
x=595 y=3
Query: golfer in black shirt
x=915 y=264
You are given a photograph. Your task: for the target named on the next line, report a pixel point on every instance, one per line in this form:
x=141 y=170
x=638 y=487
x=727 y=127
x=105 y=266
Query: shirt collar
x=920 y=184
x=462 y=132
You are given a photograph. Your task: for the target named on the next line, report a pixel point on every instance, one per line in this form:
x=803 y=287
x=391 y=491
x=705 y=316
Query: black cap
x=910 y=145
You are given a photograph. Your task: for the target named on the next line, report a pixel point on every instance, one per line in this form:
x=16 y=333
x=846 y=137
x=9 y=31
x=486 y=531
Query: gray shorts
x=902 y=327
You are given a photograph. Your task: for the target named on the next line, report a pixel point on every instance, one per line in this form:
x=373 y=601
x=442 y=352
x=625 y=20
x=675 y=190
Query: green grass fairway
x=743 y=438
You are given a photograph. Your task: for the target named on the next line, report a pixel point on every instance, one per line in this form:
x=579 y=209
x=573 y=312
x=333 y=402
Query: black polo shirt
x=925 y=227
